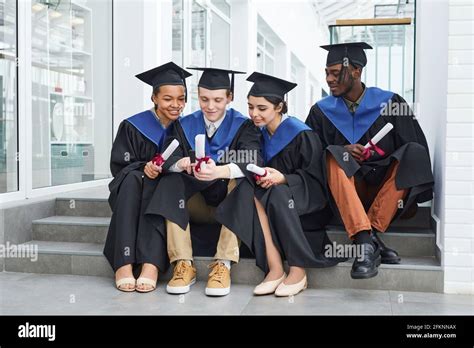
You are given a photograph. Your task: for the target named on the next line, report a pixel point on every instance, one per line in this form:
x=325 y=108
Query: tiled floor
x=44 y=294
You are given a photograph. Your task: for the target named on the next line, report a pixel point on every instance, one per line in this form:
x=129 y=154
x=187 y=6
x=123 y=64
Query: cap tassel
x=185 y=89
x=232 y=86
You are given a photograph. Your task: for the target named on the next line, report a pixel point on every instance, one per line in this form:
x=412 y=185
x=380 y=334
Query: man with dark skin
x=348 y=84
x=367 y=186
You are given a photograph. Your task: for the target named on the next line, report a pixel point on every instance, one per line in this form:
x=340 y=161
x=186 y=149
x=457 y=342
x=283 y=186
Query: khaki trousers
x=179 y=240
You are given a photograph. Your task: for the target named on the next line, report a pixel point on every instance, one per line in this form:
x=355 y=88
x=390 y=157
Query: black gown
x=131 y=239
x=405 y=143
x=298 y=211
x=236 y=210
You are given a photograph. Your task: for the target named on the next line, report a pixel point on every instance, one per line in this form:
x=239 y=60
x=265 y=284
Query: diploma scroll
x=258 y=171
x=372 y=144
x=159 y=159
x=202 y=159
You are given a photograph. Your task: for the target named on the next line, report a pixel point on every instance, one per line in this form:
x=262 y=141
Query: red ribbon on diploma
x=258 y=177
x=366 y=153
x=158 y=160
x=205 y=159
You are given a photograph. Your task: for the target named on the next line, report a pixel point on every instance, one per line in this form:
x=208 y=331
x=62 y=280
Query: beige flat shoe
x=146 y=281
x=124 y=281
x=266 y=288
x=292 y=289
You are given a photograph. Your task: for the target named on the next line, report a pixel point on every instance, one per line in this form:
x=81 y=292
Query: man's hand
x=151 y=170
x=356 y=151
x=210 y=171
x=184 y=164
x=273 y=177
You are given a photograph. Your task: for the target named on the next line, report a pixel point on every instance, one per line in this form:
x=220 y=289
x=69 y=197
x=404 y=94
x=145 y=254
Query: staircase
x=71 y=242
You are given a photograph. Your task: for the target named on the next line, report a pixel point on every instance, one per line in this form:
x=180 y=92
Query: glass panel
x=198 y=48
x=178 y=32
x=220 y=42
x=269 y=48
x=260 y=40
x=260 y=60
x=8 y=98
x=390 y=62
x=223 y=6
x=70 y=144
x=292 y=96
x=269 y=65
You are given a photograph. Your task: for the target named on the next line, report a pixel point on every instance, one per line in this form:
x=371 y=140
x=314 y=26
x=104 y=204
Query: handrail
x=372 y=21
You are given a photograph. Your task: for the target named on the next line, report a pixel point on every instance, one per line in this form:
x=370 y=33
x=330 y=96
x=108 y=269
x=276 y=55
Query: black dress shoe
x=388 y=255
x=367 y=266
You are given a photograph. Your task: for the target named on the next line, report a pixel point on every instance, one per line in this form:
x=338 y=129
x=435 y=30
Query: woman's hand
x=152 y=170
x=210 y=171
x=184 y=164
x=273 y=177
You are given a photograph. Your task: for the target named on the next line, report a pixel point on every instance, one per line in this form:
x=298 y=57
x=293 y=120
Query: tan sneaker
x=184 y=275
x=218 y=283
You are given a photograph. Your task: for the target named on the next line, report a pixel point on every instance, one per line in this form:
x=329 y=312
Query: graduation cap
x=354 y=51
x=269 y=86
x=213 y=78
x=166 y=74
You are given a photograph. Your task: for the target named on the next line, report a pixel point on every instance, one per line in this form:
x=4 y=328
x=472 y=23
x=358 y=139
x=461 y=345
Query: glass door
x=8 y=98
x=199 y=42
x=70 y=86
x=391 y=61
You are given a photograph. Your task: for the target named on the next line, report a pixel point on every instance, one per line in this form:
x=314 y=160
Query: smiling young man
x=185 y=192
x=368 y=186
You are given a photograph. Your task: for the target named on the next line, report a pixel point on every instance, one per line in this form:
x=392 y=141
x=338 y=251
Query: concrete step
x=85 y=229
x=414 y=274
x=408 y=242
x=99 y=207
x=82 y=206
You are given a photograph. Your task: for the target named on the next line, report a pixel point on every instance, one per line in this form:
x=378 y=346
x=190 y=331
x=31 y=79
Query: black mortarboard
x=269 y=86
x=166 y=74
x=354 y=51
x=213 y=78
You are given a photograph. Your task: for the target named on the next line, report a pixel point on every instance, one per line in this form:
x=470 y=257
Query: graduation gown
x=297 y=211
x=236 y=210
x=331 y=120
x=131 y=239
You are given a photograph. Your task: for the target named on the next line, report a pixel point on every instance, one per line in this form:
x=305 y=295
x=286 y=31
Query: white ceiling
x=330 y=10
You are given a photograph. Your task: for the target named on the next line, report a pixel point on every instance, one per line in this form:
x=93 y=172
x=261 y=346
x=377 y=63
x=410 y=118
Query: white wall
x=459 y=158
x=445 y=103
x=430 y=92
x=142 y=40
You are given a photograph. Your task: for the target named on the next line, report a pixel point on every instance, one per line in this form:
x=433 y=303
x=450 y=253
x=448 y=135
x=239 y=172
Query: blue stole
x=147 y=124
x=194 y=124
x=354 y=126
x=284 y=134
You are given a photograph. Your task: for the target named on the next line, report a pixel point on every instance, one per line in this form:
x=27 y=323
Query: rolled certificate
x=256 y=169
x=159 y=159
x=200 y=142
x=383 y=132
x=170 y=149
